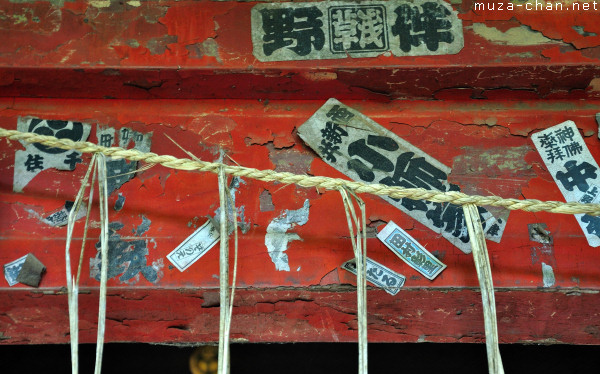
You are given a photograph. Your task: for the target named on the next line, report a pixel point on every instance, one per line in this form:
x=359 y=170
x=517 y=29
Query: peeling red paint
x=203 y=49
x=468 y=110
x=314 y=315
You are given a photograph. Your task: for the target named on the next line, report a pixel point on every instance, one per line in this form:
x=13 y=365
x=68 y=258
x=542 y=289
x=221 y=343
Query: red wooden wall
x=185 y=69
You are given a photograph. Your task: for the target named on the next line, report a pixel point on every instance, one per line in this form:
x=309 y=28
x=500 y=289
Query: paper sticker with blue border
x=378 y=274
x=411 y=251
x=365 y=151
x=574 y=170
x=194 y=247
x=286 y=31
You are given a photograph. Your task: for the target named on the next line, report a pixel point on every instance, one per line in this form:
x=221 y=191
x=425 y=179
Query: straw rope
x=458 y=198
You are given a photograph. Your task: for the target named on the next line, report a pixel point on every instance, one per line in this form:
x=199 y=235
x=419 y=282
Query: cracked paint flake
x=143 y=227
x=266 y=201
x=277 y=237
x=520 y=36
x=548 y=275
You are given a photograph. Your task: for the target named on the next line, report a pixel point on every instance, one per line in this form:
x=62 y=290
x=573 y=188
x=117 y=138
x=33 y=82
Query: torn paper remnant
x=277 y=237
x=37 y=157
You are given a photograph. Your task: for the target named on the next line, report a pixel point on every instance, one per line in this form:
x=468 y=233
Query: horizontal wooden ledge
x=304 y=315
x=377 y=83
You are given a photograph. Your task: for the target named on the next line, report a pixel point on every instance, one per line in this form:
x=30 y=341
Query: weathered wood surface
x=486 y=146
x=203 y=49
x=308 y=315
x=68 y=60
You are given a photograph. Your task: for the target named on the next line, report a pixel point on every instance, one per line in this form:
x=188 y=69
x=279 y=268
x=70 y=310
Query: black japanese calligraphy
x=378 y=161
x=559 y=144
x=428 y=24
x=358 y=28
x=34 y=162
x=593 y=224
x=339 y=114
x=416 y=173
x=577 y=175
x=73 y=159
x=333 y=132
x=590 y=195
x=297 y=29
x=332 y=136
x=106 y=140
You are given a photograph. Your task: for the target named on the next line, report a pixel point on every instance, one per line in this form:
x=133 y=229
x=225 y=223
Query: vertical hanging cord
x=87 y=221
x=72 y=284
x=484 y=273
x=359 y=245
x=103 y=197
x=223 y=363
x=235 y=261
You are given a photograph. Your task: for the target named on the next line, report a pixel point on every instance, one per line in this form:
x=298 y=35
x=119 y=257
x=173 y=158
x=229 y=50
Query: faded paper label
x=12 y=269
x=194 y=247
x=378 y=274
x=119 y=171
x=574 y=170
x=365 y=151
x=339 y=29
x=409 y=250
x=37 y=157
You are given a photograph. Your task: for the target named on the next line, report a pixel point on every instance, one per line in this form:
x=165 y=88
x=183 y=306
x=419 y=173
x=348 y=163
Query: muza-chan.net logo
x=536 y=5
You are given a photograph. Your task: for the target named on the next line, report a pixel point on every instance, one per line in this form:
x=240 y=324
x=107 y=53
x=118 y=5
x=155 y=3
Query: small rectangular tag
x=574 y=170
x=409 y=250
x=194 y=247
x=379 y=275
x=12 y=270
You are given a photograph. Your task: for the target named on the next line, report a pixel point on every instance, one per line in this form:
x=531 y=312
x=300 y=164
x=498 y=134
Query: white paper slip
x=379 y=275
x=409 y=250
x=574 y=170
x=194 y=247
x=12 y=269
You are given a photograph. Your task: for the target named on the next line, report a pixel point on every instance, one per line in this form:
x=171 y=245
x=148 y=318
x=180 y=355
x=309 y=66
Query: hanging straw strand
x=103 y=196
x=360 y=253
x=73 y=284
x=223 y=359
x=484 y=273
